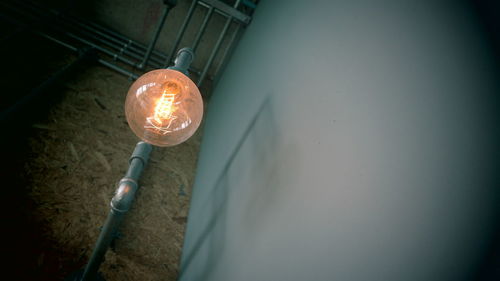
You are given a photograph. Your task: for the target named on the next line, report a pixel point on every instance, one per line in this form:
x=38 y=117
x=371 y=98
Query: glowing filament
x=164 y=109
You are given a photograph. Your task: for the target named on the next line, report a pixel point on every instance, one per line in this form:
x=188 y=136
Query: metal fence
x=121 y=53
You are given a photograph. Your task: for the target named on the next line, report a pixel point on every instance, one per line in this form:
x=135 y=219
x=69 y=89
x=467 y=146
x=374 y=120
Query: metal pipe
x=120 y=204
x=121 y=50
x=214 y=52
x=232 y=40
x=203 y=26
x=184 y=58
x=181 y=33
x=156 y=63
x=121 y=70
x=71 y=47
x=127 y=47
x=128 y=186
x=216 y=47
x=126 y=50
x=112 y=35
x=124 y=44
x=232 y=12
x=155 y=37
x=104 y=50
x=217 y=11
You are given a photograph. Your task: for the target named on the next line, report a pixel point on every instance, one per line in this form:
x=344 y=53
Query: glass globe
x=164 y=107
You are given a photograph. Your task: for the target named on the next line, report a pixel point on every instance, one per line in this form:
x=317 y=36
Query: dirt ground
x=73 y=161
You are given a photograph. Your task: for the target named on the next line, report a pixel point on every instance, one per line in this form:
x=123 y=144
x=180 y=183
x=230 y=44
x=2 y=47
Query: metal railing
x=123 y=54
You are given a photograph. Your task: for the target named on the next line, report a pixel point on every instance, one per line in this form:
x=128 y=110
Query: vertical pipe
x=181 y=33
x=216 y=47
x=184 y=58
x=120 y=204
x=202 y=28
x=155 y=37
x=108 y=232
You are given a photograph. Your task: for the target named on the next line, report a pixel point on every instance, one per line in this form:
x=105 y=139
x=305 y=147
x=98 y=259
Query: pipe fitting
x=183 y=59
x=141 y=152
x=124 y=196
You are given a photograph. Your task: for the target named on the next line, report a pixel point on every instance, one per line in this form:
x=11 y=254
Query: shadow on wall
x=256 y=150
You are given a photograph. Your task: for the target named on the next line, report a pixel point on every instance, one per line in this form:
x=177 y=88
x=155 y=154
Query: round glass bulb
x=164 y=107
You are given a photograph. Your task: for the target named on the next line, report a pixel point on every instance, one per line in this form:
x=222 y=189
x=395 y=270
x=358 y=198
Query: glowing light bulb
x=164 y=107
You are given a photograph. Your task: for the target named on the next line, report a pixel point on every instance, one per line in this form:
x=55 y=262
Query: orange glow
x=164 y=107
x=162 y=118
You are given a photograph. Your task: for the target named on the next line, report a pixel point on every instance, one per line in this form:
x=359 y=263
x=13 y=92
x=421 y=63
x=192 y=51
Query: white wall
x=369 y=147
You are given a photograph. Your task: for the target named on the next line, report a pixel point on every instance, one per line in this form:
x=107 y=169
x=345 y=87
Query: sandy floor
x=74 y=161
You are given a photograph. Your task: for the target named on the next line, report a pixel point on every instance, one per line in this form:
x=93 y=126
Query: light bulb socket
x=183 y=60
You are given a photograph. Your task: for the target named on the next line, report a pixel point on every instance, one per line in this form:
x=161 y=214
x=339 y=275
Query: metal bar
x=226 y=15
x=216 y=47
x=214 y=52
x=108 y=233
x=133 y=45
x=127 y=47
x=127 y=43
x=120 y=204
x=155 y=37
x=130 y=74
x=203 y=26
x=108 y=52
x=232 y=40
x=181 y=33
x=230 y=11
x=121 y=70
x=71 y=47
x=104 y=50
x=155 y=62
x=121 y=50
x=249 y=4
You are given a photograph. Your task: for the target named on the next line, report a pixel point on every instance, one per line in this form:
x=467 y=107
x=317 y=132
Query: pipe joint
x=183 y=60
x=122 y=201
x=141 y=151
